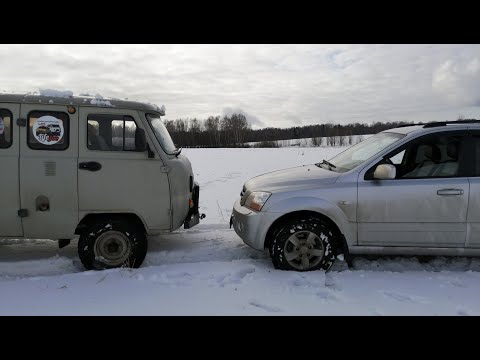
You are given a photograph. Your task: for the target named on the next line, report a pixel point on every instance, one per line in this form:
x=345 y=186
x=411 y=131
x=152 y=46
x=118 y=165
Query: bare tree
x=316 y=141
x=239 y=126
x=212 y=127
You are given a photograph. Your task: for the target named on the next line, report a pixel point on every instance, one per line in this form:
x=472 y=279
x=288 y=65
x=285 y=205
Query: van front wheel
x=111 y=244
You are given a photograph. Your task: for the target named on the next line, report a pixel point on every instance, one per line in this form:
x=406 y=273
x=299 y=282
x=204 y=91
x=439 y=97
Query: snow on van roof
x=66 y=97
x=56 y=93
x=100 y=102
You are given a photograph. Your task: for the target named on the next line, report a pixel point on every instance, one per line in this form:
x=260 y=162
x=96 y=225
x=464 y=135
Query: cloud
x=459 y=81
x=252 y=119
x=279 y=85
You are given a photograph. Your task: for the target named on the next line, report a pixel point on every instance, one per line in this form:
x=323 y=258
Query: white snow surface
x=208 y=270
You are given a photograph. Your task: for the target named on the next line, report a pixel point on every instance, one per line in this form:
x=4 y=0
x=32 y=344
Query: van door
x=48 y=171
x=115 y=178
x=10 y=222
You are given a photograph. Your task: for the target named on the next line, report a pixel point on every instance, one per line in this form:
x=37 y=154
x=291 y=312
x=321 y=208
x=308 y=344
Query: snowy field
x=208 y=270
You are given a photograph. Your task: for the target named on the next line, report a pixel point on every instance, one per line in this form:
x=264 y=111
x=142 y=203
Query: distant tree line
x=216 y=131
x=235 y=131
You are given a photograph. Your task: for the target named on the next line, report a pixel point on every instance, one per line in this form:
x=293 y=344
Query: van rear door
x=48 y=171
x=10 y=222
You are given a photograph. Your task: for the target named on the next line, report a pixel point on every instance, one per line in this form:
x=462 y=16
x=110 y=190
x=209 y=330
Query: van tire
x=312 y=234
x=112 y=243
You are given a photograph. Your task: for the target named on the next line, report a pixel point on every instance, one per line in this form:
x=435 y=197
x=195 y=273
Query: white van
x=106 y=170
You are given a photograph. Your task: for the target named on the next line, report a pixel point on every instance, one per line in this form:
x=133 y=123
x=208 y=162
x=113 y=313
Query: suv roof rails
x=405 y=125
x=441 y=123
x=444 y=123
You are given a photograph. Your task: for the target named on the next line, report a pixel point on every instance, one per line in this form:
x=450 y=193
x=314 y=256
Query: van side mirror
x=385 y=172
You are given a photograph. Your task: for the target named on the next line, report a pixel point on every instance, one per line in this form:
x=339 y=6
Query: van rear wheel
x=112 y=243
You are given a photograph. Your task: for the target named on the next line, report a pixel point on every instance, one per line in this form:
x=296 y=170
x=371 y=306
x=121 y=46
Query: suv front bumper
x=250 y=225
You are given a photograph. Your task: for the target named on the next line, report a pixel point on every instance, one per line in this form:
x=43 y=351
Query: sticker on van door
x=2 y=126
x=48 y=130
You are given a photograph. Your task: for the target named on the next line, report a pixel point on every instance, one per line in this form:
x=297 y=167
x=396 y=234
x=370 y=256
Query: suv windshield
x=162 y=134
x=361 y=152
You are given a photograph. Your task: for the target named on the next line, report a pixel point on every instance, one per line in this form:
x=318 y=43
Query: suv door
x=48 y=171
x=426 y=204
x=10 y=222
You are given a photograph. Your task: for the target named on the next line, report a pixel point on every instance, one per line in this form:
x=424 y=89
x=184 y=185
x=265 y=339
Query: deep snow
x=208 y=270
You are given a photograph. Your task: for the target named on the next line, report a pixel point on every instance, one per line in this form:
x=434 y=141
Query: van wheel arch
x=90 y=219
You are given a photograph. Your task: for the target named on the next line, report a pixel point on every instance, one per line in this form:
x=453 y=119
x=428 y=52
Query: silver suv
x=412 y=190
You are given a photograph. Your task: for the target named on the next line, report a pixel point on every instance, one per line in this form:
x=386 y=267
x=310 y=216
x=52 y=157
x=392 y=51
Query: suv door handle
x=90 y=166
x=450 y=192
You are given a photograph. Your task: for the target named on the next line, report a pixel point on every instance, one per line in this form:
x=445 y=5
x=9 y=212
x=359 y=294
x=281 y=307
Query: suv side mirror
x=385 y=172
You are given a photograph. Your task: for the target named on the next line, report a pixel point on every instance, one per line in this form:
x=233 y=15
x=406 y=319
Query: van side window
x=48 y=130
x=5 y=128
x=111 y=132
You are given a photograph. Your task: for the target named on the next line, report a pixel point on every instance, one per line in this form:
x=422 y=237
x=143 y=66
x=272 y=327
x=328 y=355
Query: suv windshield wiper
x=327 y=163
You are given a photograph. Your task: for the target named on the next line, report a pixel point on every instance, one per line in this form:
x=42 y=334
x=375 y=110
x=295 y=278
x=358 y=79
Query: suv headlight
x=257 y=199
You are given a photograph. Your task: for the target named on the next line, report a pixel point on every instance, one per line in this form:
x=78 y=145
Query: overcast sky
x=273 y=85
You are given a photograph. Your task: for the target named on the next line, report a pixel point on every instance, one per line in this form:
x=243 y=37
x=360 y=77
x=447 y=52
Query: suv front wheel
x=303 y=244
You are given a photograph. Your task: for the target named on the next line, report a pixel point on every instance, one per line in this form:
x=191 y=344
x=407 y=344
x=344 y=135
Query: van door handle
x=90 y=166
x=450 y=192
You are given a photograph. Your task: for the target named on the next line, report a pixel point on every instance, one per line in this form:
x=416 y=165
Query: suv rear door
x=473 y=219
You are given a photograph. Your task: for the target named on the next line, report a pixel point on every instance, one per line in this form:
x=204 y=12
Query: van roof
x=92 y=101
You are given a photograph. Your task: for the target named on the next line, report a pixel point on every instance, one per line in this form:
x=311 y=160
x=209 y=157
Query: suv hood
x=301 y=176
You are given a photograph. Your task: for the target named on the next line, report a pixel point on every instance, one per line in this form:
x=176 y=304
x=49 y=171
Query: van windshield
x=162 y=134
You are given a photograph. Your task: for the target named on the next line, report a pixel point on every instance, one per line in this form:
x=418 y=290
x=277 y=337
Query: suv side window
x=111 y=132
x=5 y=128
x=432 y=156
x=48 y=130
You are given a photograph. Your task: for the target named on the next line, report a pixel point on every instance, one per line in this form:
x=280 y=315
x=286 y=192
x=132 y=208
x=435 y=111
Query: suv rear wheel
x=303 y=244
x=112 y=243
